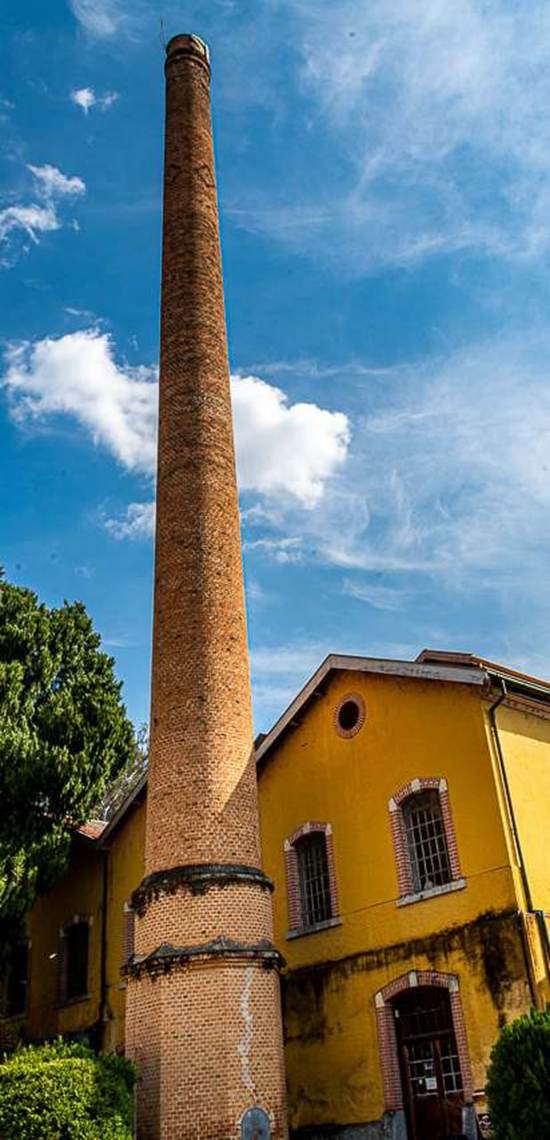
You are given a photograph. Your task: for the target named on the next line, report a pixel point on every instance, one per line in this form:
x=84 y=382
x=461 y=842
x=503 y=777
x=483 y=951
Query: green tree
x=518 y=1083
x=61 y=1090
x=64 y=735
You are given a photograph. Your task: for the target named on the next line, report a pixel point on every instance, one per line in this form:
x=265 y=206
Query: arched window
x=311 y=878
x=424 y=840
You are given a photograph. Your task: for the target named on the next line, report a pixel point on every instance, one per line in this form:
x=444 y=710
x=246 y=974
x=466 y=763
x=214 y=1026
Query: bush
x=65 y=1091
x=518 y=1085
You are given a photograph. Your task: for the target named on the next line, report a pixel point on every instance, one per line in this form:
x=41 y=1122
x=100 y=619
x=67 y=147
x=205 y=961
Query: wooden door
x=430 y=1070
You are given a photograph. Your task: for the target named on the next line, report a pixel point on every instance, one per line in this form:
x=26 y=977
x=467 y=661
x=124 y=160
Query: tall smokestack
x=203 y=1012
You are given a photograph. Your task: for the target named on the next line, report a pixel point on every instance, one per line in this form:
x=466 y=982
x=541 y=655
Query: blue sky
x=384 y=180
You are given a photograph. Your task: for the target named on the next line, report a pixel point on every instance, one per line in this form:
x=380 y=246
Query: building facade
x=402 y=809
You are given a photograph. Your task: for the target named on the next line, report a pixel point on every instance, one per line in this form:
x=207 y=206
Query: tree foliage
x=66 y=1090
x=518 y=1085
x=64 y=735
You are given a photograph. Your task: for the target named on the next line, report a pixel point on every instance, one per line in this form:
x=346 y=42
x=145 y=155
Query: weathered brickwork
x=237 y=912
x=203 y=1004
x=202 y=787
x=220 y=1019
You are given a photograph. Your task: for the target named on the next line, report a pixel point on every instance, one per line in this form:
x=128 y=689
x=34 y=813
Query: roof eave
x=469 y=674
x=121 y=811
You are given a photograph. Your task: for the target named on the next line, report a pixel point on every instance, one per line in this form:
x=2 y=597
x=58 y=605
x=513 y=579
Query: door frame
x=437 y=1103
x=387 y=1037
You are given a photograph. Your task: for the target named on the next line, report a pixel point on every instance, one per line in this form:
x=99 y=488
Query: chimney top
x=189 y=45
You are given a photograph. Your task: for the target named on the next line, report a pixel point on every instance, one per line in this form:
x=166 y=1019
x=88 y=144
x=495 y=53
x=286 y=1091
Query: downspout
x=544 y=937
x=539 y=916
x=508 y=795
x=103 y=967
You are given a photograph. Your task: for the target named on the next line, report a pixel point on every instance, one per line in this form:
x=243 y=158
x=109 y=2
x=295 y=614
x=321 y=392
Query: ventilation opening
x=350 y=716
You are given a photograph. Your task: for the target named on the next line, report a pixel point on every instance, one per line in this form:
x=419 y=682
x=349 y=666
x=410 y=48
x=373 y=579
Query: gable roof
x=92 y=829
x=133 y=797
x=381 y=666
x=430 y=665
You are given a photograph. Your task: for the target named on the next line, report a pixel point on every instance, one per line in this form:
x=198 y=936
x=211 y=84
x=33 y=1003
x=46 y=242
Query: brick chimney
x=203 y=1007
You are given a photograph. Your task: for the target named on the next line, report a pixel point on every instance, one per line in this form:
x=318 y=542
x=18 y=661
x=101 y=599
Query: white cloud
x=35 y=218
x=441 y=138
x=77 y=375
x=86 y=98
x=53 y=183
x=83 y=97
x=283 y=450
x=138 y=521
x=32 y=219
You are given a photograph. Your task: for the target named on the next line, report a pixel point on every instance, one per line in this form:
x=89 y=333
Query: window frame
x=296 y=923
x=7 y=1014
x=407 y=890
x=64 y=998
x=128 y=933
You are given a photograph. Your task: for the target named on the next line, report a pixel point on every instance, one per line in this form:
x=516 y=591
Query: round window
x=350 y=715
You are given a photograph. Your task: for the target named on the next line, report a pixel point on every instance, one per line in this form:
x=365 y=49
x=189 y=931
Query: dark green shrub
x=518 y=1085
x=64 y=1092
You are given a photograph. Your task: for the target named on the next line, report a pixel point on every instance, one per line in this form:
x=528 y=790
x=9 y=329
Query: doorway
x=429 y=1063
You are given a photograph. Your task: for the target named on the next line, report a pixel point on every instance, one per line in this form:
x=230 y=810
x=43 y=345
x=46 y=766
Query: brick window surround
x=387 y=1039
x=399 y=835
x=294 y=900
x=128 y=933
x=354 y=699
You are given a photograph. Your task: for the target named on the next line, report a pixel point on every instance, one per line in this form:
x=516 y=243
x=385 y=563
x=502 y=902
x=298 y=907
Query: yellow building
x=403 y=809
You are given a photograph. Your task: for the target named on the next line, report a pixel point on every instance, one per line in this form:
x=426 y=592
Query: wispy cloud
x=30 y=220
x=53 y=183
x=375 y=594
x=279 y=671
x=282 y=550
x=100 y=18
x=86 y=98
x=33 y=220
x=447 y=481
x=440 y=137
x=138 y=521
